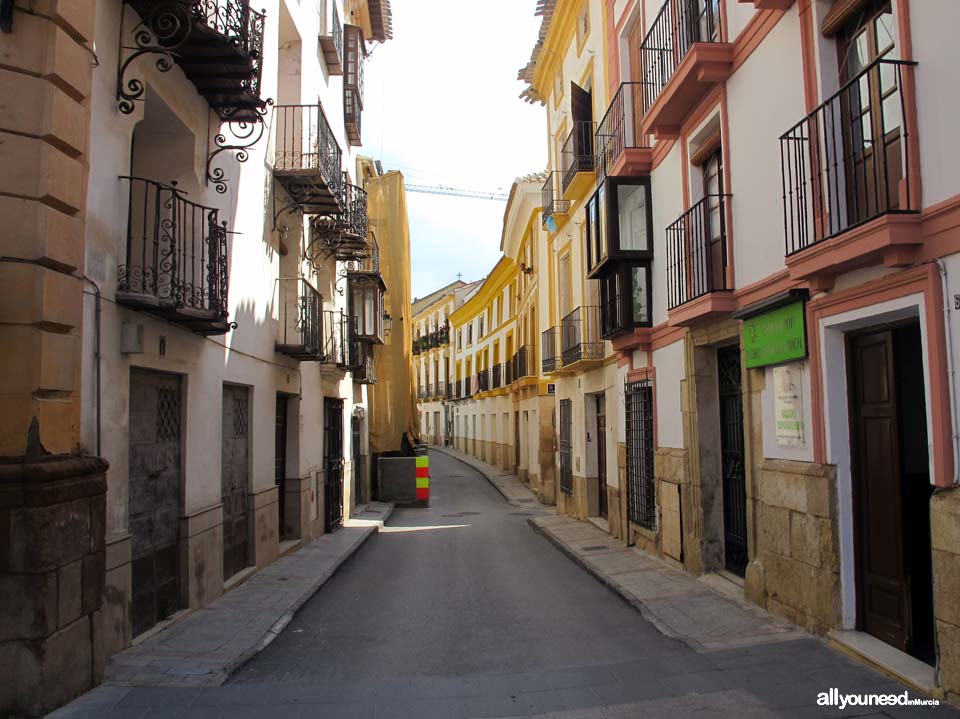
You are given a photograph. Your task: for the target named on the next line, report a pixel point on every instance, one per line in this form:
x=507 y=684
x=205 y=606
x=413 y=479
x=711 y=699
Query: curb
x=463 y=460
x=278 y=626
x=615 y=586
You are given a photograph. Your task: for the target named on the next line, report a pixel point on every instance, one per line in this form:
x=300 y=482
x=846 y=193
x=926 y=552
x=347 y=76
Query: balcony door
x=708 y=267
x=871 y=115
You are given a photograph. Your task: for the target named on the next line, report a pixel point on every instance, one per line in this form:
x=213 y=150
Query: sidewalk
x=206 y=645
x=677 y=603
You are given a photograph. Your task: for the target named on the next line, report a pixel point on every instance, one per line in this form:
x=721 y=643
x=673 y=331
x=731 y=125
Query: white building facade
x=233 y=289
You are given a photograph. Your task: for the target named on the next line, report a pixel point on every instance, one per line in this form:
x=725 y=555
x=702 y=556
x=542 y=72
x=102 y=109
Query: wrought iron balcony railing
x=678 y=25
x=848 y=161
x=442 y=389
x=522 y=363
x=580 y=336
x=619 y=130
x=578 y=153
x=175 y=264
x=550 y=358
x=550 y=203
x=697 y=252
x=353 y=82
x=483 y=381
x=343 y=234
x=331 y=37
x=336 y=339
x=307 y=158
x=496 y=376
x=217 y=43
x=300 y=319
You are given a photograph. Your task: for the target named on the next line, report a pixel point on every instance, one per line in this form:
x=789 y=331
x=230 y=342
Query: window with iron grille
x=641 y=496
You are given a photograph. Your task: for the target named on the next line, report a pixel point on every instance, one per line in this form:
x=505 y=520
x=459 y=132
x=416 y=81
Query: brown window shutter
x=840 y=14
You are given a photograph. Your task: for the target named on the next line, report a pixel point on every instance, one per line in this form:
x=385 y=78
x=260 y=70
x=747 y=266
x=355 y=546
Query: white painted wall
x=764 y=100
x=670 y=363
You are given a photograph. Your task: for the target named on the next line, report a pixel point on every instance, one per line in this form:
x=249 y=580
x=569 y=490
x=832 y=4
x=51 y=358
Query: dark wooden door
x=154 y=496
x=882 y=587
x=234 y=478
x=333 y=463
x=733 y=475
x=602 y=463
x=280 y=460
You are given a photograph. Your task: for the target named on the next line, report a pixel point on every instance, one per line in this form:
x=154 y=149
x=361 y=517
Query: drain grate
x=594 y=548
x=522 y=514
x=469 y=514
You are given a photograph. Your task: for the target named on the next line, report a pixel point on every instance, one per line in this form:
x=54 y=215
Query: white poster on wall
x=788 y=405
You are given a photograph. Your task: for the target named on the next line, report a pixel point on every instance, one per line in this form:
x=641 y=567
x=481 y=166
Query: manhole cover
x=595 y=548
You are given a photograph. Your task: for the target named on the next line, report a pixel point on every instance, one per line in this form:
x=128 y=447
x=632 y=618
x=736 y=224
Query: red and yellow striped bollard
x=423 y=479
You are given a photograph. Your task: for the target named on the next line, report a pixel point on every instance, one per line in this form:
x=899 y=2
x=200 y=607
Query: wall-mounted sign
x=788 y=404
x=775 y=336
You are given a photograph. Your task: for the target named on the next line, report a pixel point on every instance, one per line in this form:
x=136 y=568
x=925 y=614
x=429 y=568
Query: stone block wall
x=52 y=569
x=575 y=504
x=795 y=567
x=945 y=538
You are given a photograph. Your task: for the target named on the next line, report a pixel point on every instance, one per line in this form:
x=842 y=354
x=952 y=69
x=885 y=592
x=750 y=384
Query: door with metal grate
x=234 y=478
x=566 y=447
x=641 y=495
x=154 y=496
x=280 y=461
x=333 y=463
x=732 y=460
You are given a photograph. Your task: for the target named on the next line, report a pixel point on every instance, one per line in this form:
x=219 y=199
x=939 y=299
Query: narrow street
x=461 y=610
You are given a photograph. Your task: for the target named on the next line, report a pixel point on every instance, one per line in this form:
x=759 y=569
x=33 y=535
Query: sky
x=441 y=104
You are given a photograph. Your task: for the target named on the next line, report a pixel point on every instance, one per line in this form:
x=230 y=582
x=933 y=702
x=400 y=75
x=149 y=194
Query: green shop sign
x=775 y=336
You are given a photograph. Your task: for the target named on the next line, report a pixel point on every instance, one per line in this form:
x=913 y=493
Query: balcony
x=307 y=158
x=580 y=341
x=354 y=52
x=482 y=383
x=336 y=349
x=343 y=234
x=622 y=148
x=361 y=360
x=443 y=390
x=496 y=377
x=175 y=266
x=683 y=59
x=330 y=38
x=521 y=365
x=550 y=358
x=697 y=263
x=849 y=178
x=217 y=43
x=577 y=160
x=553 y=210
x=300 y=318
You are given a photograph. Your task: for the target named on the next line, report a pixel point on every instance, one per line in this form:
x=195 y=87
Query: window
x=583 y=28
x=469 y=334
x=459 y=339
x=619 y=223
x=480 y=327
x=641 y=493
x=625 y=298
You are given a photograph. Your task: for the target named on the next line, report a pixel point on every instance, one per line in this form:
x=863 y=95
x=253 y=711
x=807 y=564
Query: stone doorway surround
x=702 y=498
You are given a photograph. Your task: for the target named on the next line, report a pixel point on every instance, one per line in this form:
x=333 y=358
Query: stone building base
x=52 y=566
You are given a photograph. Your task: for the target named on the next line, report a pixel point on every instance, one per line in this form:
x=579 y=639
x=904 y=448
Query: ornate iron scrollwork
x=244 y=134
x=161 y=32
